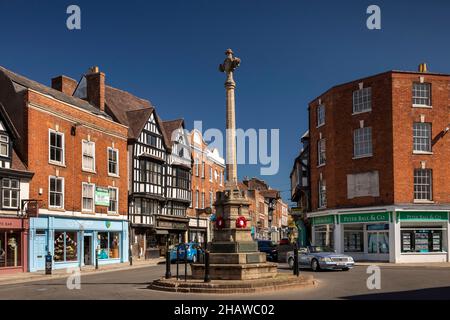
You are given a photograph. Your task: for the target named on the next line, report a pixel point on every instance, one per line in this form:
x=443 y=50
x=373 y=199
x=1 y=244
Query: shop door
x=378 y=245
x=87 y=250
x=40 y=251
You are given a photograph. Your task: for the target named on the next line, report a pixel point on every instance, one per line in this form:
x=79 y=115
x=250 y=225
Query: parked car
x=192 y=252
x=320 y=258
x=269 y=248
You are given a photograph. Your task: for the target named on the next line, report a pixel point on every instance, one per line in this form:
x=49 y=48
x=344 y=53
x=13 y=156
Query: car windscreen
x=319 y=249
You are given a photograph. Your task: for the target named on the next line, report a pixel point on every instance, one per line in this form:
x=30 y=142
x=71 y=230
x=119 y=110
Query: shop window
x=66 y=246
x=422 y=240
x=378 y=238
x=354 y=239
x=10 y=249
x=4 y=145
x=109 y=244
x=324 y=236
x=10 y=193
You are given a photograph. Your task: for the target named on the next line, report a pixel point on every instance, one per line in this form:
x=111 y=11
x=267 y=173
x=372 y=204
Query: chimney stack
x=423 y=68
x=95 y=88
x=64 y=84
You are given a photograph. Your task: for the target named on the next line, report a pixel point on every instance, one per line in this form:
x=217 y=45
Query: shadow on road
x=442 y=293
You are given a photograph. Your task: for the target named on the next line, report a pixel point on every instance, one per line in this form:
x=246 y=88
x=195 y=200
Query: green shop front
x=398 y=236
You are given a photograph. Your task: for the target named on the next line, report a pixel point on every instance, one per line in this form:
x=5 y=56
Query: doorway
x=87 y=250
x=378 y=242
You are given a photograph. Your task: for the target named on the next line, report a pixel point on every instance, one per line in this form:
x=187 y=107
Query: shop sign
x=296 y=211
x=323 y=220
x=172 y=225
x=364 y=217
x=101 y=196
x=434 y=216
x=10 y=224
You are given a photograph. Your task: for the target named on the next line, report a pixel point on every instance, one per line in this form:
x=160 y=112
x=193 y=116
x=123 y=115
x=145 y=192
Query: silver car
x=317 y=258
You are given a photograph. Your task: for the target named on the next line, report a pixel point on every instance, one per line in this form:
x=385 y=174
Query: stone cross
x=229 y=66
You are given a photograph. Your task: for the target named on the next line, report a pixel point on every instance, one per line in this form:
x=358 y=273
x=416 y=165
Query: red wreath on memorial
x=241 y=222
x=220 y=223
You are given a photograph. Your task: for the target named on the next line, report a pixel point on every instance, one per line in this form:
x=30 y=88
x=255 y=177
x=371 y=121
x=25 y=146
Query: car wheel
x=315 y=265
x=345 y=269
x=291 y=263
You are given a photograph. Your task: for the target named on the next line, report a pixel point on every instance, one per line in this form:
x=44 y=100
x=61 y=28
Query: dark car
x=269 y=248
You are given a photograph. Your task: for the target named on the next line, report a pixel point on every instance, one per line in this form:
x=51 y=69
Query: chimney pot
x=423 y=67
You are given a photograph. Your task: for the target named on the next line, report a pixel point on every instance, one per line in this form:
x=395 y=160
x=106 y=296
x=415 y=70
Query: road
x=396 y=283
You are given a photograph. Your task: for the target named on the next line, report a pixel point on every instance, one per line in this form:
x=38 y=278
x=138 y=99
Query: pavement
x=13 y=278
x=400 y=282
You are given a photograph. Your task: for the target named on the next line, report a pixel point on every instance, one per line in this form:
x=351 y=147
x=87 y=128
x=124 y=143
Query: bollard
x=185 y=261
x=178 y=258
x=296 y=272
x=168 y=273
x=207 y=278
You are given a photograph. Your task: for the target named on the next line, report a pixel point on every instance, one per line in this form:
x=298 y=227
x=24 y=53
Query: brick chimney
x=95 y=88
x=64 y=84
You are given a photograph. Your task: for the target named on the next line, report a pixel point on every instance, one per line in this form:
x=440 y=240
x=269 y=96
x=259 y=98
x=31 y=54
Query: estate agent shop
x=396 y=235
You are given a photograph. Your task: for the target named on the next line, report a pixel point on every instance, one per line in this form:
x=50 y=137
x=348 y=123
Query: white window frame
x=197 y=200
x=62 y=192
x=63 y=147
x=422 y=138
x=197 y=165
x=117 y=201
x=117 y=161
x=93 y=197
x=10 y=190
x=361 y=144
x=203 y=200
x=362 y=100
x=6 y=142
x=211 y=198
x=421 y=105
x=424 y=185
x=322 y=194
x=320 y=115
x=210 y=174
x=321 y=152
x=83 y=142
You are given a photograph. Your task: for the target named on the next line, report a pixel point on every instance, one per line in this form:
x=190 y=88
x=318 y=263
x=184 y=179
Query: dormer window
x=4 y=145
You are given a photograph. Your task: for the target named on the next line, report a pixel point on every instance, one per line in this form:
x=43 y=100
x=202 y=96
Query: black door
x=87 y=251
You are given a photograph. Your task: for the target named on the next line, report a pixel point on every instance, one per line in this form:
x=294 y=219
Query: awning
x=162 y=232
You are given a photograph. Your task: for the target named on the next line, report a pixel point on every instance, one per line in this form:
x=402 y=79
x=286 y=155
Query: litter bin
x=48 y=263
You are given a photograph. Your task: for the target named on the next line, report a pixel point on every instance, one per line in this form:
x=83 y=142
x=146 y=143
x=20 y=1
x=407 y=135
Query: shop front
x=169 y=230
x=13 y=245
x=76 y=242
x=397 y=236
x=197 y=230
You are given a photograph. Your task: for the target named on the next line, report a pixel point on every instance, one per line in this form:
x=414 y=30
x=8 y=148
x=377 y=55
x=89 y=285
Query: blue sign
x=212 y=217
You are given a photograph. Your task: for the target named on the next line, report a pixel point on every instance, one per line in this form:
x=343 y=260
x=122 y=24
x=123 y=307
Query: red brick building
x=208 y=177
x=379 y=165
x=79 y=156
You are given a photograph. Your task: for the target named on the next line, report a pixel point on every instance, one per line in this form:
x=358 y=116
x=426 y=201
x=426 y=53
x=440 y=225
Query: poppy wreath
x=241 y=222
x=220 y=223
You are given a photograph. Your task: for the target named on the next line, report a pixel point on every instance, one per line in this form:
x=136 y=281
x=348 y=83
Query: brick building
x=379 y=165
x=79 y=158
x=208 y=170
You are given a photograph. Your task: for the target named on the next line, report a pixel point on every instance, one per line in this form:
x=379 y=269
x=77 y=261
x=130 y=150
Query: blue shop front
x=74 y=242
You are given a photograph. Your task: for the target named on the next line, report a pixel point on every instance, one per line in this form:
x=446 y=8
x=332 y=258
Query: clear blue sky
x=169 y=51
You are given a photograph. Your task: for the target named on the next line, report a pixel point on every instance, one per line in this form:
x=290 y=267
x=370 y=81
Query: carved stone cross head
x=229 y=64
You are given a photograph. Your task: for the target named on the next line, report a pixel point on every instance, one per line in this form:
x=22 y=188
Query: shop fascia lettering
x=439 y=216
x=365 y=217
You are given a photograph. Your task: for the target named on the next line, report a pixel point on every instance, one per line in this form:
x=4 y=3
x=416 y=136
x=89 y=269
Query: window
x=10 y=249
x=362 y=142
x=423 y=184
x=362 y=100
x=88 y=197
x=221 y=177
x=113 y=161
x=211 y=199
x=422 y=240
x=422 y=137
x=322 y=194
x=421 y=94
x=56 y=192
x=320 y=115
x=324 y=236
x=88 y=150
x=203 y=169
x=203 y=200
x=210 y=174
x=151 y=172
x=109 y=243
x=197 y=199
x=152 y=140
x=56 y=147
x=196 y=167
x=66 y=246
x=181 y=179
x=321 y=152
x=10 y=193
x=113 y=200
x=4 y=145
x=353 y=239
